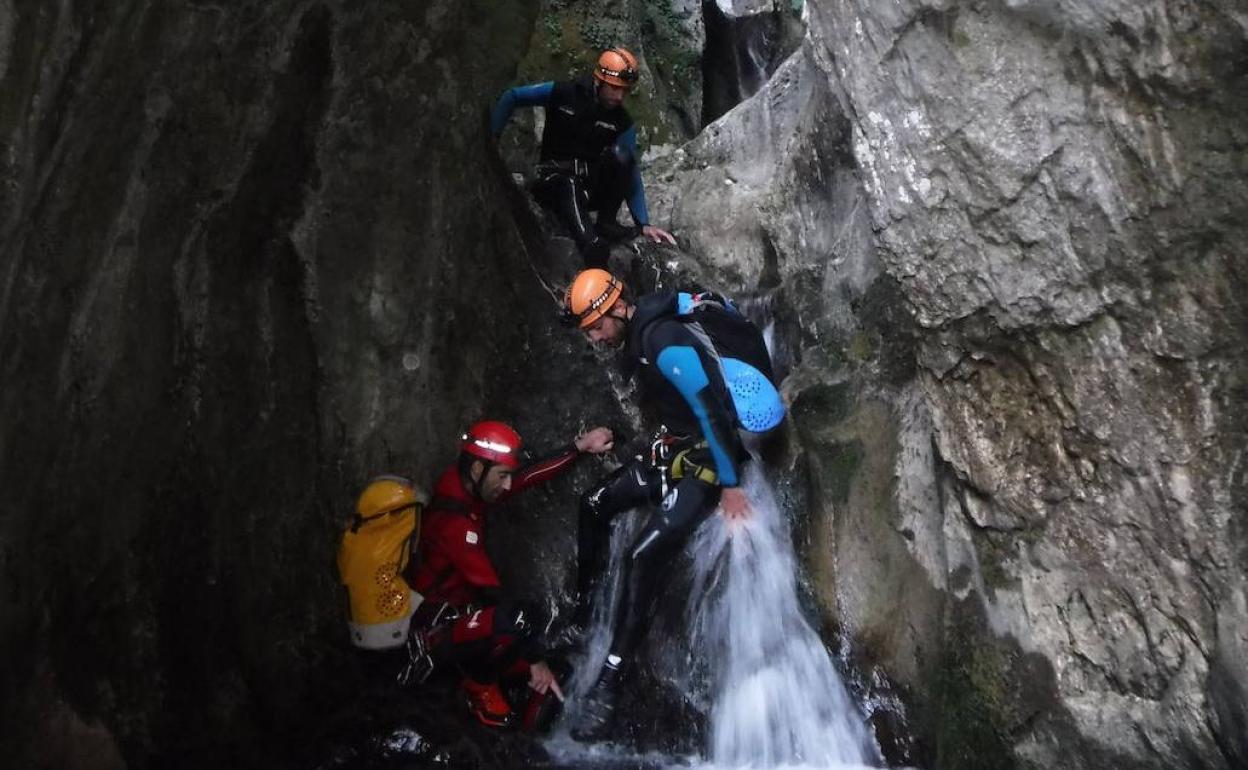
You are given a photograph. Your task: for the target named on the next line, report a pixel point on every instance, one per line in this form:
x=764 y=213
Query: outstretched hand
x=734 y=504
x=595 y=441
x=658 y=234
x=542 y=679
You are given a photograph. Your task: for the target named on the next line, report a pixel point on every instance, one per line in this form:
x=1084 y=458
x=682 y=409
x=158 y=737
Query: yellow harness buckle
x=682 y=466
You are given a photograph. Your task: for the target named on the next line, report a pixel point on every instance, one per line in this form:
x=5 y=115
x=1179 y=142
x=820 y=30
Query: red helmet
x=494 y=442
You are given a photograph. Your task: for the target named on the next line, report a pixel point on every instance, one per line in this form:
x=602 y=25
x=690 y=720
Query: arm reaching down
x=637 y=191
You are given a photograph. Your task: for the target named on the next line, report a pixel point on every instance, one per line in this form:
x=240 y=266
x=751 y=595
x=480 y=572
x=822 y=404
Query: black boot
x=598 y=711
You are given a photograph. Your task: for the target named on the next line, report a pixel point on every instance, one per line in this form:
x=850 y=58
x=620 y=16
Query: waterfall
x=777 y=699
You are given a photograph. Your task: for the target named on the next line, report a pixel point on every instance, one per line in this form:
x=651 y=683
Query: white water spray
x=778 y=700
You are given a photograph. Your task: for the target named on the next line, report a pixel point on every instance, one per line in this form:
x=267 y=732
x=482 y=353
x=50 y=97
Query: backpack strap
x=448 y=504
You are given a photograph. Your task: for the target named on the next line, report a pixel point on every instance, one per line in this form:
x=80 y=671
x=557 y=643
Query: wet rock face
x=1007 y=241
x=250 y=255
x=745 y=43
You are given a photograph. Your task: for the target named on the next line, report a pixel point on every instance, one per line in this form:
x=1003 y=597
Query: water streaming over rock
x=778 y=700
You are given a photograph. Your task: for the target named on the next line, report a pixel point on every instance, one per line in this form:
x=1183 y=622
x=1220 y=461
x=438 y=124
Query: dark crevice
x=741 y=54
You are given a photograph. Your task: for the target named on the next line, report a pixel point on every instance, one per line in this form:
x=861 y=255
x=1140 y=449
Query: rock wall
x=1006 y=241
x=250 y=254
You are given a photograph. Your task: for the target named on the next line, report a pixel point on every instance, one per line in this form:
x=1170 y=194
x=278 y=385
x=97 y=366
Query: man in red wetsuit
x=464 y=620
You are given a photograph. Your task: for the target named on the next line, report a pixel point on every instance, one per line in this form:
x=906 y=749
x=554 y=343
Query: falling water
x=778 y=700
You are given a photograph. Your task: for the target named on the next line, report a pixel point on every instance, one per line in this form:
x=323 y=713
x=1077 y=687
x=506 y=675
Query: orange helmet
x=591 y=295
x=616 y=66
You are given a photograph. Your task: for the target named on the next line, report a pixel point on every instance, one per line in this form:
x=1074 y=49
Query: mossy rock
x=570 y=33
x=985 y=691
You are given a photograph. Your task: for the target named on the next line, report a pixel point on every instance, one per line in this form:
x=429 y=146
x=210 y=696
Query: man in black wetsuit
x=589 y=153
x=706 y=371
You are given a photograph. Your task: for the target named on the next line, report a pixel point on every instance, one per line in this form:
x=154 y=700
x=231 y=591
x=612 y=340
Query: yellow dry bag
x=374 y=551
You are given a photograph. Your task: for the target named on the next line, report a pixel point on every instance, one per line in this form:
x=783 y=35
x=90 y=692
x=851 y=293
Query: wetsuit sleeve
x=462 y=544
x=520 y=96
x=637 y=190
x=683 y=362
x=542 y=471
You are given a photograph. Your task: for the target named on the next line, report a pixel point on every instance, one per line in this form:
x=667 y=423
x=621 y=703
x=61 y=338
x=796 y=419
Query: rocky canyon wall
x=250 y=254
x=1006 y=239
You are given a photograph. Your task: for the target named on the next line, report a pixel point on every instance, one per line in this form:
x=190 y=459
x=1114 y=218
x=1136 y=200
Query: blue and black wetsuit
x=681 y=382
x=588 y=159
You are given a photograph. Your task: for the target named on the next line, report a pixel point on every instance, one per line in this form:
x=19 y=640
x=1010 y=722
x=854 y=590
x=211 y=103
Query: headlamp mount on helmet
x=617 y=67
x=605 y=298
x=628 y=75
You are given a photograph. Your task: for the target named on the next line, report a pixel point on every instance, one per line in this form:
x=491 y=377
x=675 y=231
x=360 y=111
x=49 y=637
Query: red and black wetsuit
x=456 y=578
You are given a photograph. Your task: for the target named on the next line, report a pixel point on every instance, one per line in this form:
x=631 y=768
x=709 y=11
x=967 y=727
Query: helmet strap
x=622 y=317
x=358 y=521
x=473 y=487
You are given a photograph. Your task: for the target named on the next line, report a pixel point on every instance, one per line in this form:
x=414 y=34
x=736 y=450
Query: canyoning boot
x=597 y=712
x=487 y=703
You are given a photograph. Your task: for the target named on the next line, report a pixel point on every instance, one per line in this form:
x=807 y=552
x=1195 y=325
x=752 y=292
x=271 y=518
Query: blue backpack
x=737 y=346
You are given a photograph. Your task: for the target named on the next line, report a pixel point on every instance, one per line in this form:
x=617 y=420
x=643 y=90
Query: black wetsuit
x=588 y=159
x=680 y=379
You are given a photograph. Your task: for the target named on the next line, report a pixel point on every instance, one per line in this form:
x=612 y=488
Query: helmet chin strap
x=621 y=315
x=474 y=487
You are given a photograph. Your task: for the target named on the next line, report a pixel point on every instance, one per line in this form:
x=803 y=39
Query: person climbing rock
x=705 y=370
x=588 y=160
x=464 y=620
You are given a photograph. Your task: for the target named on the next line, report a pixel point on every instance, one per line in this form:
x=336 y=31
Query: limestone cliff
x=1007 y=244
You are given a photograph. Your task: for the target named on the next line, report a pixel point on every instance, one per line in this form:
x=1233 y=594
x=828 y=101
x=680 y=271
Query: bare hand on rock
x=658 y=234
x=595 y=441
